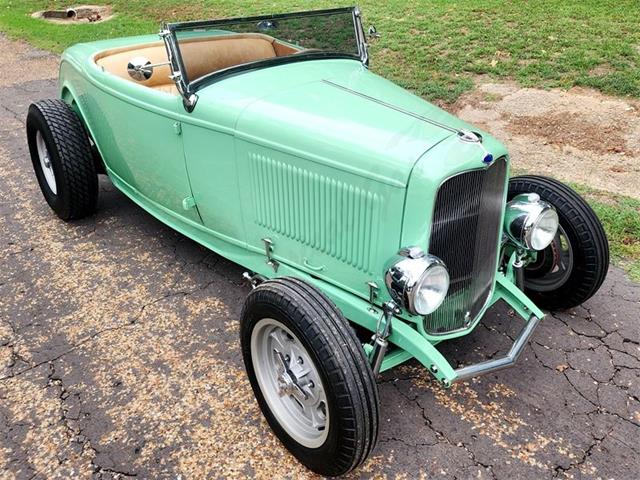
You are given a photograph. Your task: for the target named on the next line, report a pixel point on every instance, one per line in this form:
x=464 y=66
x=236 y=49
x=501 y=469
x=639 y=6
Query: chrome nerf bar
x=496 y=364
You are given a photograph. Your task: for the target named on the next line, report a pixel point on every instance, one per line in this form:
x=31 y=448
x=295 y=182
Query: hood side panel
x=335 y=225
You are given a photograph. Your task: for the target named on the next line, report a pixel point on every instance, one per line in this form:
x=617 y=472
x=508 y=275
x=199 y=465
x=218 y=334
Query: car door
x=140 y=137
x=209 y=148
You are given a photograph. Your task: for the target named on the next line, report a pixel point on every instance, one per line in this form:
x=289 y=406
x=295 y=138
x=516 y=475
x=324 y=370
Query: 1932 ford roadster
x=373 y=225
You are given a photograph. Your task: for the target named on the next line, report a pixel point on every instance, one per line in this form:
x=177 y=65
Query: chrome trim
x=380 y=342
x=373 y=292
x=360 y=37
x=189 y=99
x=520 y=218
x=411 y=252
x=493 y=365
x=140 y=68
x=474 y=321
x=394 y=107
x=470 y=137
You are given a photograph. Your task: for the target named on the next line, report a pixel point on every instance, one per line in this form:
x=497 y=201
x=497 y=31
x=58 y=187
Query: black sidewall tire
x=71 y=159
x=58 y=202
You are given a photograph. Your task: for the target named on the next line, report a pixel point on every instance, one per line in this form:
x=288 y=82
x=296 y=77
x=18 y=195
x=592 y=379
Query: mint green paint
x=394 y=358
x=337 y=182
x=507 y=291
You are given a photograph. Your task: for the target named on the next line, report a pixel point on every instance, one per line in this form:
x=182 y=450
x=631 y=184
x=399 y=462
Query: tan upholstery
x=116 y=61
x=200 y=56
x=169 y=88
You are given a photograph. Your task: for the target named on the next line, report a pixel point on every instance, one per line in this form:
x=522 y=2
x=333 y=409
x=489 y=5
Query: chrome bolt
x=434 y=369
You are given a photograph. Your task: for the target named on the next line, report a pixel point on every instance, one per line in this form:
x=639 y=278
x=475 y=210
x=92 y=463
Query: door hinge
x=177 y=128
x=188 y=203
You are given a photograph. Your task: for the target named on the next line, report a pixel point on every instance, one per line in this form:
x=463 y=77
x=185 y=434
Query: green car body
x=333 y=165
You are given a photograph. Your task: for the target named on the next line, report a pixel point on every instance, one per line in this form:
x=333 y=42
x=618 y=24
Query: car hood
x=338 y=112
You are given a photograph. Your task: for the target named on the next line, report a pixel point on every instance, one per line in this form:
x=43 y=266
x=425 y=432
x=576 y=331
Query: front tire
x=310 y=376
x=62 y=159
x=570 y=270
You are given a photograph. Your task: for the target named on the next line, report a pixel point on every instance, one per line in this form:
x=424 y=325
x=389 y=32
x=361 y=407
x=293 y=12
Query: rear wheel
x=572 y=268
x=310 y=376
x=62 y=159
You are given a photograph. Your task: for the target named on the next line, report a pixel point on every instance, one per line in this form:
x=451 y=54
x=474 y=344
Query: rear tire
x=288 y=315
x=573 y=267
x=62 y=159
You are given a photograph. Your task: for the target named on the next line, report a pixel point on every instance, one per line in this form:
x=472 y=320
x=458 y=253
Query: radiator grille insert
x=465 y=234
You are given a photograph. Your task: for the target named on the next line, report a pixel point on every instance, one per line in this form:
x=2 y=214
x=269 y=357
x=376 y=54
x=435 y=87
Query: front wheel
x=310 y=376
x=572 y=268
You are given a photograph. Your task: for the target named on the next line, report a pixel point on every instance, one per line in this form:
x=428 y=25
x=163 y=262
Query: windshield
x=204 y=51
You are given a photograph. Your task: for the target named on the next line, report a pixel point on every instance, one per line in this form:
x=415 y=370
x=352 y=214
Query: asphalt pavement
x=119 y=356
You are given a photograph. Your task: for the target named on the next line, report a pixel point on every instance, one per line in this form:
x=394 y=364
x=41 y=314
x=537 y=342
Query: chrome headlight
x=530 y=222
x=416 y=281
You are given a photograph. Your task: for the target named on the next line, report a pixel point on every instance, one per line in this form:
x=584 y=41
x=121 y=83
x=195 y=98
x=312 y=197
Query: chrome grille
x=465 y=235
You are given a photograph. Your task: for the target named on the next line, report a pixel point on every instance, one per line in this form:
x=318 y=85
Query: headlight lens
x=530 y=222
x=416 y=281
x=431 y=289
x=544 y=229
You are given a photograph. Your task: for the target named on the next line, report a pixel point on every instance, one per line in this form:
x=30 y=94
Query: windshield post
x=362 y=42
x=177 y=68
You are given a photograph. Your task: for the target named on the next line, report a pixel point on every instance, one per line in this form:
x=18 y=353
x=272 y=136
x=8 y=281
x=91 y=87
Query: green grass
x=433 y=47
x=621 y=219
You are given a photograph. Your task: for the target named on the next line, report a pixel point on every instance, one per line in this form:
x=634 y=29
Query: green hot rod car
x=372 y=224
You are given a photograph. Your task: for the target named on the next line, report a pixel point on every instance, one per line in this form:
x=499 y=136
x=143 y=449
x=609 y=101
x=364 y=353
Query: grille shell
x=465 y=233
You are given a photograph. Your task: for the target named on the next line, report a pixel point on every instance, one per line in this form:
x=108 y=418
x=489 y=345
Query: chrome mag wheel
x=290 y=382
x=45 y=163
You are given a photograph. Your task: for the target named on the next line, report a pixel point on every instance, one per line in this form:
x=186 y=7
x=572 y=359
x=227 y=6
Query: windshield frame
x=188 y=87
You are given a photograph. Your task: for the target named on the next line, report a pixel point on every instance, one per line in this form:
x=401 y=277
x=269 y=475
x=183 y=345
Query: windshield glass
x=215 y=48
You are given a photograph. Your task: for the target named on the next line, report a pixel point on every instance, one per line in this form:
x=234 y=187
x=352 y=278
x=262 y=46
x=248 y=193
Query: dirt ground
x=119 y=353
x=578 y=135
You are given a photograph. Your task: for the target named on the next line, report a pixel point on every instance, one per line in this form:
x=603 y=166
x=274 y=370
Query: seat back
x=203 y=57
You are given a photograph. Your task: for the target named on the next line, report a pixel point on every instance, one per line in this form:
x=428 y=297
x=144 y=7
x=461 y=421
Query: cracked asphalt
x=119 y=356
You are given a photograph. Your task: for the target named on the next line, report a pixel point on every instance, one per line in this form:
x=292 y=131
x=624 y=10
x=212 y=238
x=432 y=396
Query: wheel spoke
x=318 y=419
x=281 y=364
x=276 y=335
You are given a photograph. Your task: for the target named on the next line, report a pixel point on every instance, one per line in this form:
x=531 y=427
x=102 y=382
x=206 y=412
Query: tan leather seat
x=201 y=56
